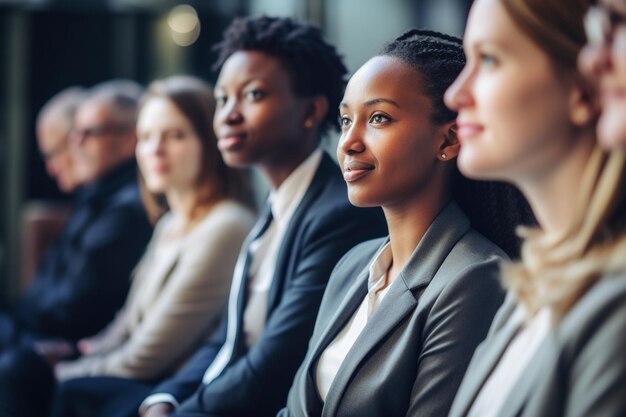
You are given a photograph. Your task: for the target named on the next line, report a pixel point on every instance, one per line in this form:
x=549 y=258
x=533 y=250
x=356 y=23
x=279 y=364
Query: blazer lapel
x=338 y=320
x=323 y=173
x=147 y=282
x=484 y=361
x=397 y=304
x=527 y=382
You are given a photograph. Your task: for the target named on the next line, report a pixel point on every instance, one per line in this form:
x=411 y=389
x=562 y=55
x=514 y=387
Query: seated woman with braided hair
x=402 y=315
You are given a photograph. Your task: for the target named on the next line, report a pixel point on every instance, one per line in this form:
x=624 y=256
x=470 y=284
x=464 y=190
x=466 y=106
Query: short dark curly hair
x=314 y=65
x=439 y=58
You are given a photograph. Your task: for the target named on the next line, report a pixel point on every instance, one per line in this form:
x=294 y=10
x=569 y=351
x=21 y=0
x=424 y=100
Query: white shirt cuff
x=157 y=399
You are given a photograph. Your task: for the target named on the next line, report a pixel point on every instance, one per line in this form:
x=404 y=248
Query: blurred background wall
x=47 y=45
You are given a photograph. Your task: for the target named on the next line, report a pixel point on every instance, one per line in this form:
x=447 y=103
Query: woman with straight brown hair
x=556 y=347
x=180 y=286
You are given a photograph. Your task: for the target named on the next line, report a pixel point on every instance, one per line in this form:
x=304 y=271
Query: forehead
x=490 y=25
x=93 y=112
x=386 y=77
x=51 y=132
x=619 y=5
x=159 y=105
x=488 y=19
x=245 y=66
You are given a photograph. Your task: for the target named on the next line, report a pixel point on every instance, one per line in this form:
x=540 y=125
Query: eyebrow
x=244 y=83
x=371 y=102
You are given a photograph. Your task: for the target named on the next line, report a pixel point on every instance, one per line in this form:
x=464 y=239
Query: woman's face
x=258 y=119
x=168 y=150
x=605 y=62
x=388 y=148
x=514 y=106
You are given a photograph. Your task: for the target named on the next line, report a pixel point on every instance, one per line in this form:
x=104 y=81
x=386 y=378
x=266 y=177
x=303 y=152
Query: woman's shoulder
x=600 y=313
x=228 y=213
x=227 y=220
x=475 y=247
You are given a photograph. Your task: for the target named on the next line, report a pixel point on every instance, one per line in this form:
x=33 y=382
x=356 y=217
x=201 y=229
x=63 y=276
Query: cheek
x=275 y=121
x=191 y=161
x=612 y=125
x=618 y=55
x=518 y=111
x=141 y=153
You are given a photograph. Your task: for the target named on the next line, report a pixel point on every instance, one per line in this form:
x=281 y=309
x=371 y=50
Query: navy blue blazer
x=411 y=355
x=84 y=278
x=256 y=381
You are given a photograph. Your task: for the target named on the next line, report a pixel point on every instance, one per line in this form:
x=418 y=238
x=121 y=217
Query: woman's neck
x=554 y=196
x=284 y=162
x=182 y=203
x=407 y=223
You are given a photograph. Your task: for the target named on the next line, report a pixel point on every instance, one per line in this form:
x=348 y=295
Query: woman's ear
x=316 y=111
x=449 y=146
x=583 y=105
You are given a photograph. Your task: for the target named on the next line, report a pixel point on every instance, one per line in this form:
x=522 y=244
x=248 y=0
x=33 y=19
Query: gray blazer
x=412 y=354
x=578 y=371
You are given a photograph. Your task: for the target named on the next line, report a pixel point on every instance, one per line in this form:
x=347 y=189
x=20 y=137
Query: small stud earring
x=308 y=124
x=443 y=156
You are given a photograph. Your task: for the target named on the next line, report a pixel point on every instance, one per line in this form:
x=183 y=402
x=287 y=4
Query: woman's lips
x=608 y=94
x=467 y=130
x=355 y=170
x=231 y=141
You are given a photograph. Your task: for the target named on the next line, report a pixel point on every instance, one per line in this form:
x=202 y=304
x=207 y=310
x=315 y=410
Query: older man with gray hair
x=84 y=278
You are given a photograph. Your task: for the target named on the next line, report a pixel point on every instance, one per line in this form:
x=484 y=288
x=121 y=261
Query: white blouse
x=515 y=359
x=337 y=351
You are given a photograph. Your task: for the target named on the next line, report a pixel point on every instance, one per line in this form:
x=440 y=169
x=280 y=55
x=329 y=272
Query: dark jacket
x=84 y=278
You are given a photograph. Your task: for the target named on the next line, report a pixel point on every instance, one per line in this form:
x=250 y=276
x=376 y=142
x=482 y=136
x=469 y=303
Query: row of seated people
x=400 y=317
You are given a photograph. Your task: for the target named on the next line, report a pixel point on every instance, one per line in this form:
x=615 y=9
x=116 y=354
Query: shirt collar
x=379 y=267
x=286 y=198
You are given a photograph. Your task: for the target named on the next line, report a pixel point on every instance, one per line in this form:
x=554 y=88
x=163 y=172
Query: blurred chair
x=42 y=223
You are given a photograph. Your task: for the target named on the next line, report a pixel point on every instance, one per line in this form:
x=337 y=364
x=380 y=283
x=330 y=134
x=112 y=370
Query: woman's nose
x=351 y=141
x=594 y=59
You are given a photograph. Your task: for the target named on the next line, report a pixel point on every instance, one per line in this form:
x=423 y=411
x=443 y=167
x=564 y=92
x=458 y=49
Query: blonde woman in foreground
x=556 y=347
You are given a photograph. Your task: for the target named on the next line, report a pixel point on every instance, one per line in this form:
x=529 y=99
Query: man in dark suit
x=84 y=278
x=278 y=87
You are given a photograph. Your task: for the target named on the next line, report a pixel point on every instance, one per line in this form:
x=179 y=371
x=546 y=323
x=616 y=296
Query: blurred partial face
x=99 y=143
x=604 y=60
x=514 y=115
x=52 y=137
x=168 y=150
x=258 y=119
x=388 y=147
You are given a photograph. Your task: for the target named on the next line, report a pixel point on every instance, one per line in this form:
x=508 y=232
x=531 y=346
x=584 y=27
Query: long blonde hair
x=557 y=272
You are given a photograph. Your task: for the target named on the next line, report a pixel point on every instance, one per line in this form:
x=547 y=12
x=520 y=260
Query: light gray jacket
x=412 y=354
x=578 y=371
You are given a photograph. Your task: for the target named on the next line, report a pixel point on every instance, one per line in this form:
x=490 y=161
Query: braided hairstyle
x=494 y=209
x=437 y=57
x=314 y=65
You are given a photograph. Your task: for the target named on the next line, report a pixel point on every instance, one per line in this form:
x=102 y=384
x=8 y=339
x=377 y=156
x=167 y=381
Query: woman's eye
x=254 y=95
x=487 y=60
x=176 y=134
x=379 y=119
x=220 y=100
x=344 y=121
